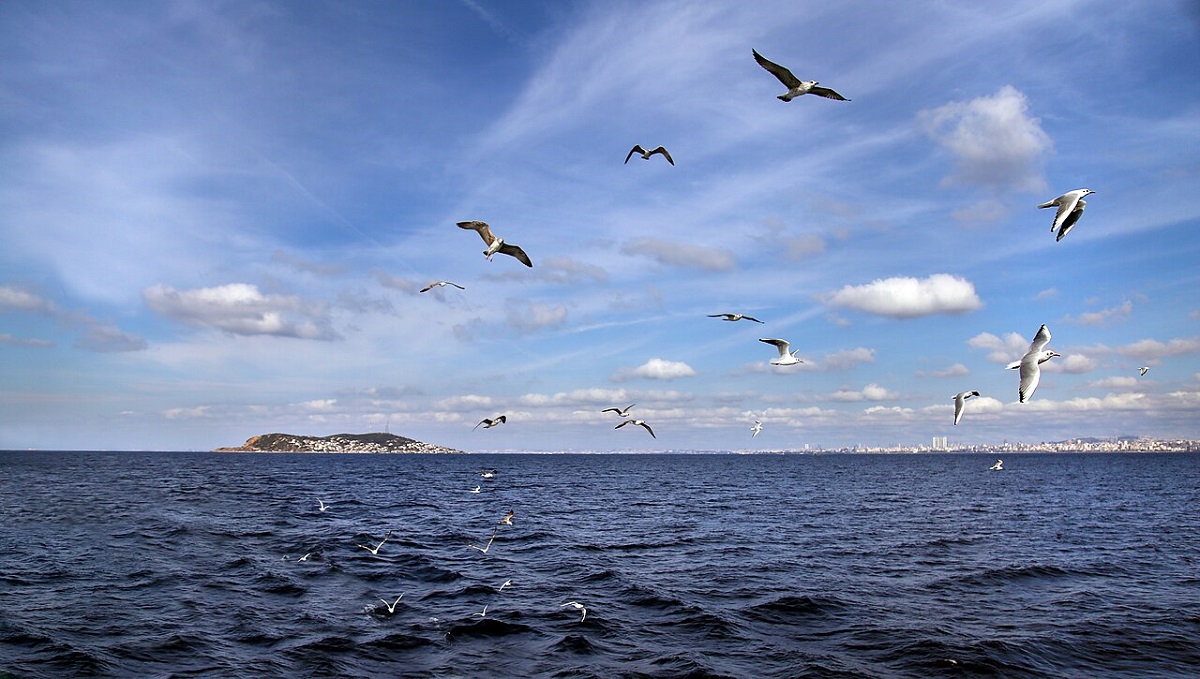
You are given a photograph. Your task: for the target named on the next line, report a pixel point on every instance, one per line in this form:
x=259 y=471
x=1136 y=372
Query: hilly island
x=337 y=443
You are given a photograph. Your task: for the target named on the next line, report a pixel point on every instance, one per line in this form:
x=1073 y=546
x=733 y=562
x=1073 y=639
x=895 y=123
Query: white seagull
x=507 y=520
x=488 y=424
x=796 y=86
x=440 y=284
x=637 y=148
x=474 y=490
x=620 y=412
x=960 y=401
x=487 y=473
x=507 y=583
x=786 y=355
x=1030 y=364
x=639 y=423
x=321 y=505
x=734 y=317
x=998 y=467
x=484 y=549
x=375 y=549
x=392 y=606
x=1070 y=209
x=1143 y=370
x=577 y=606
x=756 y=428
x=495 y=244
x=483 y=613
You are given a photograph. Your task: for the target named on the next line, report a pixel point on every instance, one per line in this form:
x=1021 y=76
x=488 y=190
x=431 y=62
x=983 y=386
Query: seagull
x=474 y=490
x=998 y=467
x=375 y=549
x=734 y=317
x=440 y=284
x=483 y=613
x=392 y=606
x=620 y=412
x=640 y=423
x=488 y=424
x=756 y=428
x=577 y=606
x=305 y=557
x=1143 y=370
x=507 y=583
x=796 y=87
x=786 y=356
x=495 y=244
x=321 y=505
x=959 y=402
x=1030 y=363
x=484 y=549
x=507 y=520
x=487 y=473
x=1070 y=209
x=637 y=148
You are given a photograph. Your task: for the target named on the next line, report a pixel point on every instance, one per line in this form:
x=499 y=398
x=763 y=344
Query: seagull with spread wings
x=495 y=244
x=796 y=86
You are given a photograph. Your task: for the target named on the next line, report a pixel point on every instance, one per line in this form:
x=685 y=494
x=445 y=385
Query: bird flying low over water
x=787 y=356
x=1070 y=209
x=579 y=607
x=756 y=428
x=998 y=467
x=639 y=423
x=637 y=148
x=1030 y=364
x=495 y=244
x=489 y=423
x=796 y=86
x=507 y=520
x=440 y=284
x=960 y=401
x=620 y=412
x=734 y=317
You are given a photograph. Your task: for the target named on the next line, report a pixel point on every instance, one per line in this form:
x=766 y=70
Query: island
x=338 y=443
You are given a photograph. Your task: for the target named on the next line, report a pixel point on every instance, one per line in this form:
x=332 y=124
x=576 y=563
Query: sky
x=217 y=217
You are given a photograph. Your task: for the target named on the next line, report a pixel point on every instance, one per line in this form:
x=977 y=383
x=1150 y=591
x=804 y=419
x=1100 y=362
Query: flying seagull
x=1070 y=209
x=639 y=423
x=756 y=428
x=507 y=583
x=441 y=284
x=796 y=86
x=483 y=613
x=786 y=355
x=1030 y=363
x=484 y=549
x=637 y=148
x=375 y=549
x=620 y=412
x=487 y=473
x=392 y=606
x=998 y=467
x=959 y=401
x=488 y=424
x=577 y=606
x=734 y=317
x=495 y=244
x=1143 y=370
x=474 y=490
x=321 y=505
x=507 y=520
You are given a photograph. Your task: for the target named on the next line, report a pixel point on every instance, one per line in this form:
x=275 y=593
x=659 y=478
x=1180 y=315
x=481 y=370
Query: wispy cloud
x=685 y=255
x=240 y=309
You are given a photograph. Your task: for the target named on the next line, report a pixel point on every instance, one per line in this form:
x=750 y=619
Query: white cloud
x=1073 y=364
x=656 y=369
x=956 y=370
x=21 y=300
x=12 y=341
x=533 y=316
x=904 y=297
x=1103 y=317
x=847 y=358
x=240 y=309
x=994 y=141
x=871 y=392
x=1115 y=383
x=1152 y=349
x=1048 y=293
x=1005 y=350
x=684 y=255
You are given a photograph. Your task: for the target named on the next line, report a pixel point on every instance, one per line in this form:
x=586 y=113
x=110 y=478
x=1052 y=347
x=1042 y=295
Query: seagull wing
x=827 y=93
x=648 y=429
x=611 y=410
x=483 y=421
x=429 y=287
x=663 y=151
x=727 y=317
x=1031 y=374
x=751 y=318
x=1066 y=205
x=1071 y=219
x=1040 y=340
x=456 y=285
x=515 y=251
x=484 y=231
x=637 y=148
x=785 y=76
x=781 y=345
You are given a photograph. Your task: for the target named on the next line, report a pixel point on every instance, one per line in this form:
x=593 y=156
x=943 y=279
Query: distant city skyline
x=224 y=219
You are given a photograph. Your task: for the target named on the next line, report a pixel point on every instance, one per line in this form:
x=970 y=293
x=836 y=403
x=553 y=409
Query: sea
x=165 y=564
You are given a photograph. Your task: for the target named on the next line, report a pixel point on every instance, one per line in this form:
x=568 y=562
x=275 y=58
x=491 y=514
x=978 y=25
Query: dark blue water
x=182 y=564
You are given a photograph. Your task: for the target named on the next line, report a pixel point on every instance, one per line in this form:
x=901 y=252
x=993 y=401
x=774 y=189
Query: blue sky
x=217 y=217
